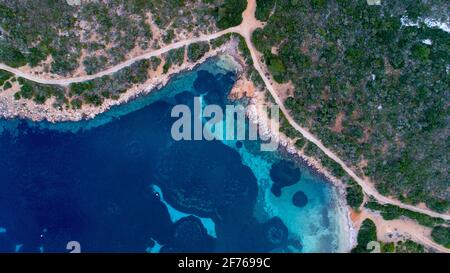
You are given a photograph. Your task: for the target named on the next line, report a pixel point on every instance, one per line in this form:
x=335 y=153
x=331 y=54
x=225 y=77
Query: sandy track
x=399 y=229
x=111 y=70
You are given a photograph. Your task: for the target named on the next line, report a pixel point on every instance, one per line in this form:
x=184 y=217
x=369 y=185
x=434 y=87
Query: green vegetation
x=300 y=143
x=331 y=165
x=229 y=14
x=108 y=87
x=441 y=235
x=438 y=205
x=251 y=72
x=81 y=87
x=40 y=92
x=94 y=64
x=354 y=60
x=366 y=234
x=168 y=36
x=173 y=57
x=93 y=99
x=76 y=103
x=197 y=51
x=244 y=50
x=176 y=56
x=387 y=247
x=182 y=14
x=254 y=76
x=34 y=30
x=4 y=76
x=276 y=67
x=220 y=41
x=287 y=129
x=355 y=195
x=409 y=246
x=11 y=56
x=390 y=212
x=36 y=55
x=7 y=85
x=264 y=8
x=155 y=62
x=334 y=168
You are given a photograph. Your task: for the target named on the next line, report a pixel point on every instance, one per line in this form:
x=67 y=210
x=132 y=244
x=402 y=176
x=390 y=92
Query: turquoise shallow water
x=318 y=224
x=120 y=183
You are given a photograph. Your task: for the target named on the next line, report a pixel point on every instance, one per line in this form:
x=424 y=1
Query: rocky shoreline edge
x=11 y=108
x=257 y=115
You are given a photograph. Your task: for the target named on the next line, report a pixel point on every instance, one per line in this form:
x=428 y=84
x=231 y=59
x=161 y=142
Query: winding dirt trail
x=113 y=69
x=245 y=29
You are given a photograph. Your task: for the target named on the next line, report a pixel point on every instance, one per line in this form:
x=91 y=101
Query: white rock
x=427 y=42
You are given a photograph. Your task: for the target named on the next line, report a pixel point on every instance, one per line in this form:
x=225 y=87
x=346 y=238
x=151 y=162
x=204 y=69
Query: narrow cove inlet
x=121 y=183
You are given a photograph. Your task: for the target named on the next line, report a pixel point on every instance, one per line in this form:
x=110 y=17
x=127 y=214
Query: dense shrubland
x=109 y=87
x=354 y=195
x=61 y=39
x=441 y=235
x=408 y=246
x=197 y=51
x=97 y=34
x=173 y=57
x=391 y=87
x=367 y=233
x=4 y=76
x=40 y=92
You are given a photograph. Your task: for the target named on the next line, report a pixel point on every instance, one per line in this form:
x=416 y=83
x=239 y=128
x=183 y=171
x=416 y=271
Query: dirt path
x=111 y=70
x=245 y=29
x=399 y=229
x=246 y=32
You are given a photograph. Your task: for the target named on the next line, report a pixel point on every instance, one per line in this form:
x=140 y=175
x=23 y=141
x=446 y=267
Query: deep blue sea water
x=120 y=183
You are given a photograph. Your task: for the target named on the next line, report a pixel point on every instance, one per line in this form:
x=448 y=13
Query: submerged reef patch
x=300 y=199
x=283 y=174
